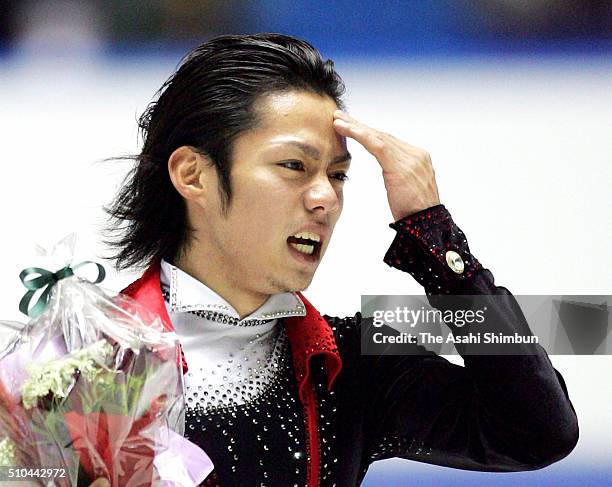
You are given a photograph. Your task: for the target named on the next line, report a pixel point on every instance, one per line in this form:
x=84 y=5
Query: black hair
x=205 y=104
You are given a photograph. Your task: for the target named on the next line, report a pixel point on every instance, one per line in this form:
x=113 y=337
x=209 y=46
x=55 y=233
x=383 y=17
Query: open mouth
x=308 y=246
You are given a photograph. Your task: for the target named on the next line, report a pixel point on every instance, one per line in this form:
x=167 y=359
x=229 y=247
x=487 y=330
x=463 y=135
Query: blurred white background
x=522 y=152
x=521 y=144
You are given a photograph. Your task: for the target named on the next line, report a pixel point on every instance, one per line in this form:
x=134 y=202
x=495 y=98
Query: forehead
x=298 y=115
x=288 y=104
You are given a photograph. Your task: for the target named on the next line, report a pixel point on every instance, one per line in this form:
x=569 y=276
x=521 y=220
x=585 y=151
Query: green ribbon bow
x=47 y=279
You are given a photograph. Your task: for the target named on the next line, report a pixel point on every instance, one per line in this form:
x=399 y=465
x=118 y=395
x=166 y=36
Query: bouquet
x=92 y=387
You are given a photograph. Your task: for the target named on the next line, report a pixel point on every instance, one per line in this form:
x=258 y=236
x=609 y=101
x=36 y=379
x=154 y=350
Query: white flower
x=8 y=453
x=56 y=376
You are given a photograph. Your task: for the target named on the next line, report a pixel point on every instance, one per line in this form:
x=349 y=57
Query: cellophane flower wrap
x=93 y=385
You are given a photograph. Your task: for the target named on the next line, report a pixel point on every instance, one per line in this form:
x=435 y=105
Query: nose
x=321 y=196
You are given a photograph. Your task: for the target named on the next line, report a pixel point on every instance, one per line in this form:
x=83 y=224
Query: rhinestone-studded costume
x=322 y=412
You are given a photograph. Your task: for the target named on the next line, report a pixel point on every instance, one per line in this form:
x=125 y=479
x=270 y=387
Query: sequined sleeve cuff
x=432 y=248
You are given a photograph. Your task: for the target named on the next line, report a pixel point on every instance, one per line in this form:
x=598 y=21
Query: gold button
x=454 y=261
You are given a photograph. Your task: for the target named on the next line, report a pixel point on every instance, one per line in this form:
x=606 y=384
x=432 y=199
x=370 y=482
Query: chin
x=290 y=285
x=300 y=288
x=303 y=284
x=297 y=287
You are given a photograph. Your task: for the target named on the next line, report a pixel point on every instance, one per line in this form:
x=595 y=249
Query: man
x=231 y=207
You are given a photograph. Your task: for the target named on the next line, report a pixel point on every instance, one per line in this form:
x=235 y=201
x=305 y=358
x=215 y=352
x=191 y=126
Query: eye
x=340 y=176
x=293 y=165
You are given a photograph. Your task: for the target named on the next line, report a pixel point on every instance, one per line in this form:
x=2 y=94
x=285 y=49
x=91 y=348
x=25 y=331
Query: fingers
x=374 y=141
x=407 y=170
x=371 y=139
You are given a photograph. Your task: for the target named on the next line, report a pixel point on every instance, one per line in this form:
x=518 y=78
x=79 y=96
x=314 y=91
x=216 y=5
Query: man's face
x=287 y=177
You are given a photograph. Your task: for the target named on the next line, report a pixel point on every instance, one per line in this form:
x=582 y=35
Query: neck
x=244 y=301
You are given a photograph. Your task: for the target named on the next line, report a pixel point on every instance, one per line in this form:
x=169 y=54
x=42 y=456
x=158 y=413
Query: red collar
x=308 y=335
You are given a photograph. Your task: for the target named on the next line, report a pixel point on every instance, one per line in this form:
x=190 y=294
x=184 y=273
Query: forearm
x=523 y=399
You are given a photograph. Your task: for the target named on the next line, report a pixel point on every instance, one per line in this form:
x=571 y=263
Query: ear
x=190 y=172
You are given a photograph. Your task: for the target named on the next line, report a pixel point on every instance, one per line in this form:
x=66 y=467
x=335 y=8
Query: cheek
x=336 y=214
x=259 y=220
x=340 y=197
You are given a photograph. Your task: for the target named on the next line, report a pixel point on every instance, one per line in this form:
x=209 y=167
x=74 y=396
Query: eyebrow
x=314 y=153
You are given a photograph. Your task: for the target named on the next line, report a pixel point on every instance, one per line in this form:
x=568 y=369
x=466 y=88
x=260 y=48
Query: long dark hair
x=205 y=104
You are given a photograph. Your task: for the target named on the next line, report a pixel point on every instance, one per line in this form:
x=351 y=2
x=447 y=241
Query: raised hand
x=407 y=170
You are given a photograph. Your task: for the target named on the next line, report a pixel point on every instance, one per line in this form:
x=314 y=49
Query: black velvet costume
x=498 y=413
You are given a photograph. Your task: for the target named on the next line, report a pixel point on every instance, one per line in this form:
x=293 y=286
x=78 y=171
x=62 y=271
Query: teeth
x=308 y=235
x=305 y=249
